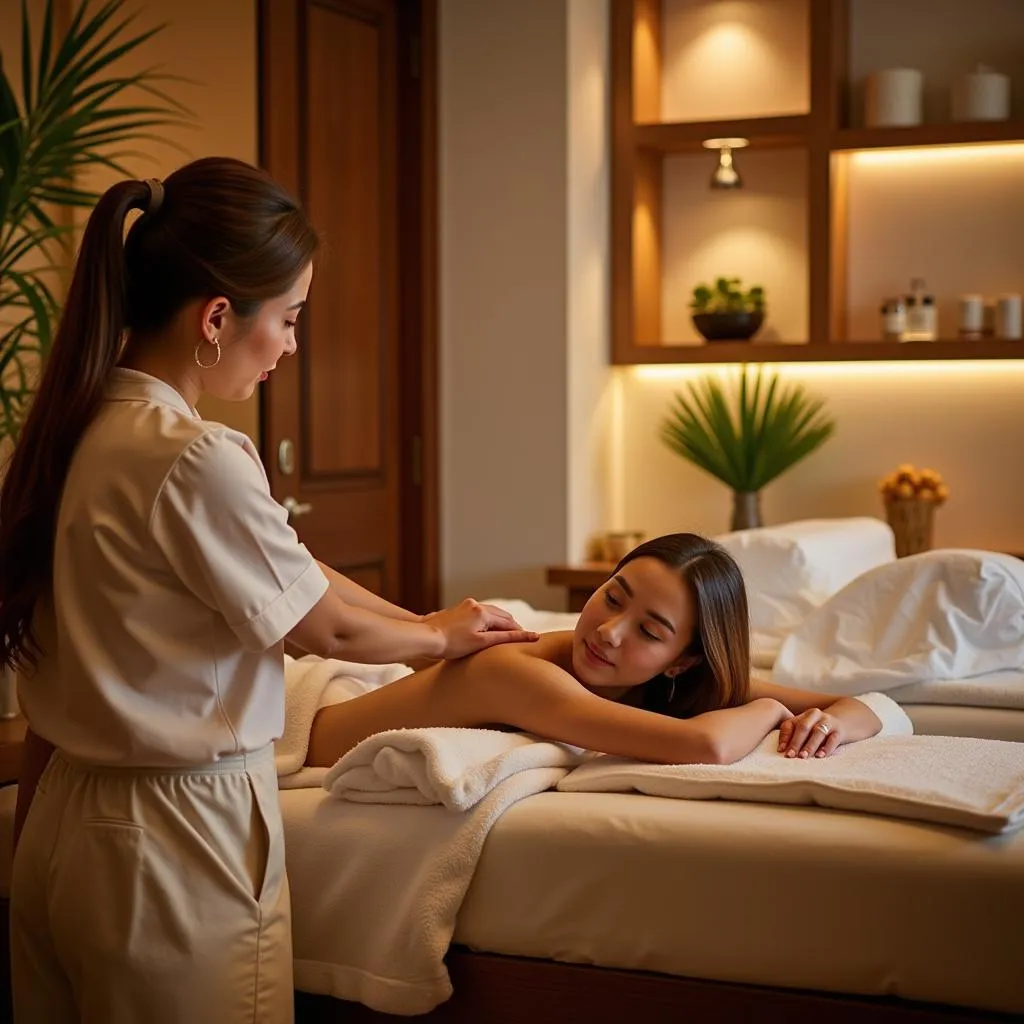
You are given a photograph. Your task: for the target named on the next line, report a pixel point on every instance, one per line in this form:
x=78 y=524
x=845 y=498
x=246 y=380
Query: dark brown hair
x=721 y=640
x=223 y=227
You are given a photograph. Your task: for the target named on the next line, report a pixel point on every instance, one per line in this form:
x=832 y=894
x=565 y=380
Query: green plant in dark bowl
x=726 y=312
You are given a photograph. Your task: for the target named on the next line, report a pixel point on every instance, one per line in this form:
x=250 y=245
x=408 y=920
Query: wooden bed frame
x=492 y=989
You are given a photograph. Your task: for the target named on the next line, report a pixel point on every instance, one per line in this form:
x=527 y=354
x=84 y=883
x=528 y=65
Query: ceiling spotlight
x=726 y=175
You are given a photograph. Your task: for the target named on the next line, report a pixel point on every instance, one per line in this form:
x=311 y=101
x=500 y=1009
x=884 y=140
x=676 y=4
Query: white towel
x=453 y=767
x=949 y=780
x=403 y=870
x=312 y=683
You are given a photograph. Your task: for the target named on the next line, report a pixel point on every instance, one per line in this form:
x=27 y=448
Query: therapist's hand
x=469 y=627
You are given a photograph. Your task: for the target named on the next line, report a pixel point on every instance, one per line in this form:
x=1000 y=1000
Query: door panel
x=348 y=165
x=330 y=133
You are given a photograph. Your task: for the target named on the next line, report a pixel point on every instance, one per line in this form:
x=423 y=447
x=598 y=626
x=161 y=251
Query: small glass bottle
x=922 y=315
x=894 y=319
x=972 y=318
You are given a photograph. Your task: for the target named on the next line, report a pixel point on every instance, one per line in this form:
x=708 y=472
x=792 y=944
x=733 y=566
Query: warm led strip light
x=849 y=370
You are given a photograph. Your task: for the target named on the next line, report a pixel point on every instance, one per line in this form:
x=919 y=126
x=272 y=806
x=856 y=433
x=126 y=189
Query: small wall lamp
x=725 y=174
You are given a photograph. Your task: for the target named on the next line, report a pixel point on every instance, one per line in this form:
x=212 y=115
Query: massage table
x=612 y=907
x=607 y=907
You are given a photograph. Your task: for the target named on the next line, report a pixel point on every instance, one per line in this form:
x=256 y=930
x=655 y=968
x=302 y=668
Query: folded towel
x=448 y=766
x=311 y=683
x=403 y=871
x=949 y=780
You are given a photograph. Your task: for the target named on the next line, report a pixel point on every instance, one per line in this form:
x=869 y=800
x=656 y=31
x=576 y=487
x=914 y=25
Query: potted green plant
x=726 y=312
x=76 y=111
x=748 y=438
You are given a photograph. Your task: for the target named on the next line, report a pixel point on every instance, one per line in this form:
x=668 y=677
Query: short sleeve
x=229 y=541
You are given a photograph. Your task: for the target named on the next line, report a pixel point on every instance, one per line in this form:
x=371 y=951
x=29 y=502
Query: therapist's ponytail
x=215 y=227
x=85 y=350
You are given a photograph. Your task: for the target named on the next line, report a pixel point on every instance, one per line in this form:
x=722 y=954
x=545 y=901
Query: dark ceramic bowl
x=728 y=326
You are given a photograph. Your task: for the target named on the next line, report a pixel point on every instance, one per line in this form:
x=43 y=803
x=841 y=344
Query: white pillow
x=794 y=568
x=947 y=614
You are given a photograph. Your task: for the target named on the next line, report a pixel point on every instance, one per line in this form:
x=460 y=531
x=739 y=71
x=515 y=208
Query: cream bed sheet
x=960 y=720
x=782 y=896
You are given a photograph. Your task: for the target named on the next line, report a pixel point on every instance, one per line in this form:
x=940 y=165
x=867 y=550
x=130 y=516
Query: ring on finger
x=824 y=727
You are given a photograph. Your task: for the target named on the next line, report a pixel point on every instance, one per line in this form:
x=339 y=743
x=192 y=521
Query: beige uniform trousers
x=153 y=896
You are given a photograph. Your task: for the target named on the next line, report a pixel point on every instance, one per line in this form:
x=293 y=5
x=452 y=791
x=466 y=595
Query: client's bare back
x=479 y=690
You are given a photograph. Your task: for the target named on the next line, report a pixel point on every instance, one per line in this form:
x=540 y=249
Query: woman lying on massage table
x=657 y=669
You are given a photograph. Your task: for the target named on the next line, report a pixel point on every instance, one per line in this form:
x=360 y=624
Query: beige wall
x=589 y=438
x=503 y=209
x=733 y=58
x=214 y=46
x=966 y=420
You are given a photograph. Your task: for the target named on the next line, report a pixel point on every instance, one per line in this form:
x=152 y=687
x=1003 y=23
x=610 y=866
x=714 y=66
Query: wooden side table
x=580 y=580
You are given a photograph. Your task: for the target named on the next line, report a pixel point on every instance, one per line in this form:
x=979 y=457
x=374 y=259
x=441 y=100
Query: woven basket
x=913 y=523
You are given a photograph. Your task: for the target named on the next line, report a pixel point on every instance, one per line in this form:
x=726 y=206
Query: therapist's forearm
x=336 y=629
x=352 y=593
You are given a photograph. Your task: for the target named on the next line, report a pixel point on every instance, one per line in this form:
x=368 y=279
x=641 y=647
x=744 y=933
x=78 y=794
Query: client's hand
x=470 y=626
x=818 y=733
x=815 y=733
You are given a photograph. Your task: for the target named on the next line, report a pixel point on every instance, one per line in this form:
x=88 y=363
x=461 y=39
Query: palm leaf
x=749 y=437
x=74 y=113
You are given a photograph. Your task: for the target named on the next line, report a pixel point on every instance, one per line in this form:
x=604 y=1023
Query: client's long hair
x=721 y=638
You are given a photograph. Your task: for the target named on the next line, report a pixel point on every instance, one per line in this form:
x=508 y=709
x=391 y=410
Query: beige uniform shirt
x=176 y=578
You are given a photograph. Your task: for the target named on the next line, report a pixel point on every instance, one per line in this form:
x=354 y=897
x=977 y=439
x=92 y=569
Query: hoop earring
x=206 y=366
x=671 y=690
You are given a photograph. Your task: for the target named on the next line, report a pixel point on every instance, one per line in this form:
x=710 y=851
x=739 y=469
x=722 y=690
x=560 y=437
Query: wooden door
x=347 y=424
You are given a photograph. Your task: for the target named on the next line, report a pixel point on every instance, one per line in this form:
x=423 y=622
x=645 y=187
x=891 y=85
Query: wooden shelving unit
x=641 y=141
x=687 y=136
x=838 y=351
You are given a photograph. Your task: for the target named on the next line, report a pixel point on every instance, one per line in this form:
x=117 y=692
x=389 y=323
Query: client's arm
x=847 y=719
x=521 y=687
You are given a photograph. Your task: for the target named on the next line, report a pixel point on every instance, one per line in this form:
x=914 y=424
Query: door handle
x=296 y=508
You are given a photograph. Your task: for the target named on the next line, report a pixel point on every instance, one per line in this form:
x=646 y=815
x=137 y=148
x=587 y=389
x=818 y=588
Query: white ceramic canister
x=981 y=95
x=893 y=98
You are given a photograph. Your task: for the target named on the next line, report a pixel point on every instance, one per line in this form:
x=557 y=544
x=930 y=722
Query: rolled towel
x=454 y=767
x=895 y=721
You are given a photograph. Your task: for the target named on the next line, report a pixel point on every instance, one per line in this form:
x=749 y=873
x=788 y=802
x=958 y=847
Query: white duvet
x=942 y=616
